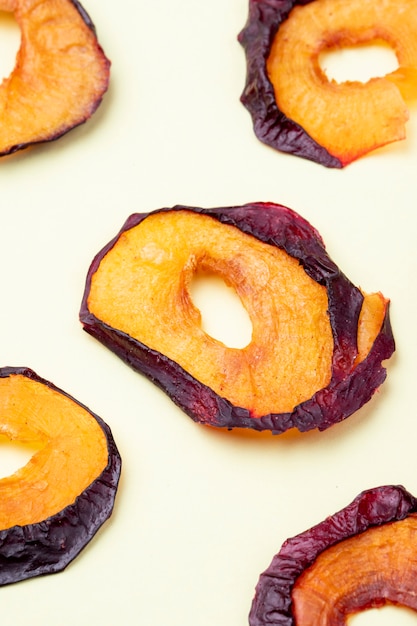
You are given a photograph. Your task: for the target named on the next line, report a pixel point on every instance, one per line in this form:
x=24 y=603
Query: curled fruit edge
x=349 y=388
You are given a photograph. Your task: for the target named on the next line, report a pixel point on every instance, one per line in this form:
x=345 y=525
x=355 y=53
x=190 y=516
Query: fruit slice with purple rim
x=296 y=108
x=60 y=76
x=55 y=504
x=317 y=344
x=361 y=557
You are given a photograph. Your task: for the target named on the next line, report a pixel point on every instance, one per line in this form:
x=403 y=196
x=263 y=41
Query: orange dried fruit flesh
x=282 y=302
x=336 y=122
x=362 y=557
x=60 y=76
x=307 y=318
x=52 y=506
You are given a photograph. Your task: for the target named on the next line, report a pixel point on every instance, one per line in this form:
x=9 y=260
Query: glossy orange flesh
x=60 y=74
x=142 y=288
x=72 y=451
x=351 y=118
x=366 y=570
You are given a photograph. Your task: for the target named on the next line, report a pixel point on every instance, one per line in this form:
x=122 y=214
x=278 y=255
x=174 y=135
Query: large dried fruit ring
x=54 y=505
x=60 y=76
x=364 y=556
x=317 y=343
x=295 y=107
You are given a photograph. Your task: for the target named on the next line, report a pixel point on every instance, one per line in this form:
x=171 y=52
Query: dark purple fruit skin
x=85 y=16
x=270 y=124
x=49 y=546
x=348 y=389
x=374 y=507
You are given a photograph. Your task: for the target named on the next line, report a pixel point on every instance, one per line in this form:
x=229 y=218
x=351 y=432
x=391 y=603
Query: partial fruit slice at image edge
x=317 y=344
x=60 y=77
x=296 y=108
x=361 y=557
x=54 y=505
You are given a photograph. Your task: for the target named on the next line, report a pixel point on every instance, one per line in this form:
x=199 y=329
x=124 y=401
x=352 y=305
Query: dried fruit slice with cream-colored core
x=142 y=288
x=60 y=76
x=72 y=450
x=351 y=118
x=361 y=557
x=370 y=569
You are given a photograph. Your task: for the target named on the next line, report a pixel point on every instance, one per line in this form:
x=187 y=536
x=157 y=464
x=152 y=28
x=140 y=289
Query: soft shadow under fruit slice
x=60 y=76
x=296 y=108
x=317 y=345
x=54 y=505
x=362 y=557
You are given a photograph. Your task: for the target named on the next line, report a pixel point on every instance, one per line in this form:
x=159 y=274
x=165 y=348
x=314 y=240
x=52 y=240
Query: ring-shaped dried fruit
x=295 y=107
x=362 y=557
x=317 y=343
x=60 y=76
x=54 y=505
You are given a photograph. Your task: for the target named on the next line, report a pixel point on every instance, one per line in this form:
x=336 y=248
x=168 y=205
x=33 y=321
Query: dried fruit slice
x=364 y=556
x=60 y=76
x=54 y=505
x=296 y=108
x=302 y=367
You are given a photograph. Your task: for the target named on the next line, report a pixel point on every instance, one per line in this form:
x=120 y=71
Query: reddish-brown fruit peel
x=60 y=76
x=362 y=557
x=54 y=505
x=317 y=345
x=296 y=108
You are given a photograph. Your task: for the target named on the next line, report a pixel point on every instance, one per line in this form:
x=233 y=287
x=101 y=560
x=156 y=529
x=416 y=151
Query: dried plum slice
x=359 y=558
x=60 y=76
x=317 y=344
x=55 y=504
x=294 y=106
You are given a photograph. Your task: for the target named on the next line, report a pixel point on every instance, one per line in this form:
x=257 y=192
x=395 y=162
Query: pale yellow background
x=200 y=513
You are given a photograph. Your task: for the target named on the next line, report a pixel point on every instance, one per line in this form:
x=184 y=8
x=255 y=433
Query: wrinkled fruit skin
x=349 y=388
x=271 y=126
x=49 y=546
x=374 y=507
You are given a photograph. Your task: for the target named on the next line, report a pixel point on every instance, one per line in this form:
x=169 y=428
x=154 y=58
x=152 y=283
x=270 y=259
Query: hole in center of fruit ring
x=358 y=63
x=9 y=43
x=384 y=616
x=223 y=316
x=14 y=455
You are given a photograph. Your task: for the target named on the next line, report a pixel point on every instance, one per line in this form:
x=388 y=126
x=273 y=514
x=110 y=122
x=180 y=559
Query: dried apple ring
x=317 y=344
x=54 y=505
x=362 y=557
x=60 y=76
x=296 y=108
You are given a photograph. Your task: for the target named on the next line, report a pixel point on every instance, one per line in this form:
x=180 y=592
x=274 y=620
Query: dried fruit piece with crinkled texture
x=60 y=77
x=317 y=344
x=296 y=108
x=54 y=505
x=364 y=556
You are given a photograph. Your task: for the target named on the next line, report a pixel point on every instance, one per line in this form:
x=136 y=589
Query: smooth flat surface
x=200 y=513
